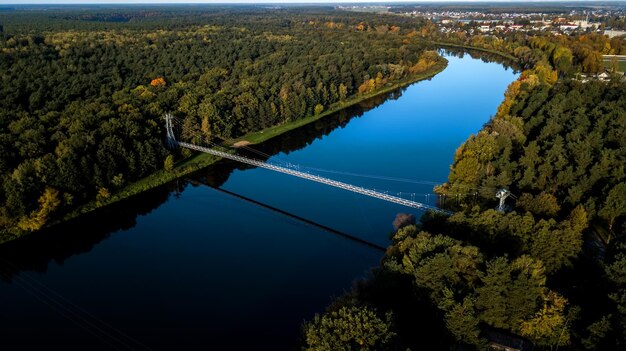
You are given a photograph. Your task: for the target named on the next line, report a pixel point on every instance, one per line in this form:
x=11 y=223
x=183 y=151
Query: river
x=191 y=266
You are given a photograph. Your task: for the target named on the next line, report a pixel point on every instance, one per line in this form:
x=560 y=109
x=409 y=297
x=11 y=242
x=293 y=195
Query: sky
x=25 y=2
x=243 y=1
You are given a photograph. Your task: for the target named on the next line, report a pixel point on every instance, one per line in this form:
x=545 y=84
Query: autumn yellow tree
x=343 y=92
x=48 y=203
x=549 y=326
x=168 y=164
x=103 y=194
x=318 y=109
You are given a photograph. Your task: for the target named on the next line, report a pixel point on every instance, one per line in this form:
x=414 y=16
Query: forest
x=546 y=273
x=84 y=92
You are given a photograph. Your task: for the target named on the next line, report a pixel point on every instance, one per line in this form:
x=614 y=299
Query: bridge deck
x=315 y=178
x=398 y=200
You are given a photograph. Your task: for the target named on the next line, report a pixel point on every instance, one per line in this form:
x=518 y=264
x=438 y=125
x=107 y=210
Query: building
x=614 y=33
x=565 y=27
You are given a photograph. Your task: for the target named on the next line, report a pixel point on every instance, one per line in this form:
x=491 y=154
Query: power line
x=83 y=319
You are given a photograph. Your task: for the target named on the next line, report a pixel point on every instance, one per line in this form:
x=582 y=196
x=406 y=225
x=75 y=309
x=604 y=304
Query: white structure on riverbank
x=614 y=33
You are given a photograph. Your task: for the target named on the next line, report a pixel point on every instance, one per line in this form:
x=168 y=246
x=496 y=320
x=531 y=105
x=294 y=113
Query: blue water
x=189 y=266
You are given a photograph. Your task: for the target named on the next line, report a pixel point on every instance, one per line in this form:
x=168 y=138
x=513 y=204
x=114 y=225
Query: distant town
x=605 y=20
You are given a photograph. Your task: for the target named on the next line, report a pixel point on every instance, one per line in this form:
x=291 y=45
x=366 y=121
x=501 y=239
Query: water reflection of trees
x=60 y=242
x=484 y=56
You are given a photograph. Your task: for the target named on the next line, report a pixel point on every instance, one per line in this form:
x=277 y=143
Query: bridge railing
x=315 y=178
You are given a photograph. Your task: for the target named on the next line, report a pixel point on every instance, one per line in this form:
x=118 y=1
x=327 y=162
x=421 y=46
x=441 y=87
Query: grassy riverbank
x=198 y=161
x=266 y=134
x=621 y=64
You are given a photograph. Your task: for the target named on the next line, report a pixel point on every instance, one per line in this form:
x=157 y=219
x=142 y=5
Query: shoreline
x=198 y=161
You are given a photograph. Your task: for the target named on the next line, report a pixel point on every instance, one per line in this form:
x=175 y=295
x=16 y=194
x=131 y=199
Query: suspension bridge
x=173 y=142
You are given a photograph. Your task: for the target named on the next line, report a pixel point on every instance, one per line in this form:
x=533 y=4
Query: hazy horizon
x=147 y=2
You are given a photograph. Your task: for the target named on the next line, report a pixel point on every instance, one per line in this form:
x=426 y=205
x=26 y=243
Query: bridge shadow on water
x=303 y=220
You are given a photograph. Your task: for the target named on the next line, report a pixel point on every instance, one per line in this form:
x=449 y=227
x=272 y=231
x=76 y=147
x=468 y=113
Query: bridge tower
x=169 y=127
x=502 y=194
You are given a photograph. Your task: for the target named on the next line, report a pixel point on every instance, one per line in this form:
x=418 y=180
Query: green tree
x=557 y=244
x=544 y=204
x=103 y=194
x=548 y=328
x=562 y=58
x=343 y=92
x=168 y=164
x=318 y=109
x=48 y=203
x=467 y=172
x=614 y=205
x=349 y=328
x=510 y=292
x=437 y=263
x=597 y=334
x=462 y=323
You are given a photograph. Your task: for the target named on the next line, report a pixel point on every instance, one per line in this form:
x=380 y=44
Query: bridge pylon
x=169 y=128
x=502 y=194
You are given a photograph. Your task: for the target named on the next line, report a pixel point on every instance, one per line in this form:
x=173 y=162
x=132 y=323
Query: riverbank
x=268 y=133
x=199 y=161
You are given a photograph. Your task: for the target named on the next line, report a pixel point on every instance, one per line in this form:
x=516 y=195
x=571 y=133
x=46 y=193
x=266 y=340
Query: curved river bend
x=189 y=266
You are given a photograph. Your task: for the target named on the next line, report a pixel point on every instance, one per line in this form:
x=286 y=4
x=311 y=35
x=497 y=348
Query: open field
x=621 y=65
x=621 y=62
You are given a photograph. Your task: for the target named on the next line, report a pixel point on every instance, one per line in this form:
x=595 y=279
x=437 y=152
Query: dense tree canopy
x=349 y=328
x=534 y=270
x=561 y=148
